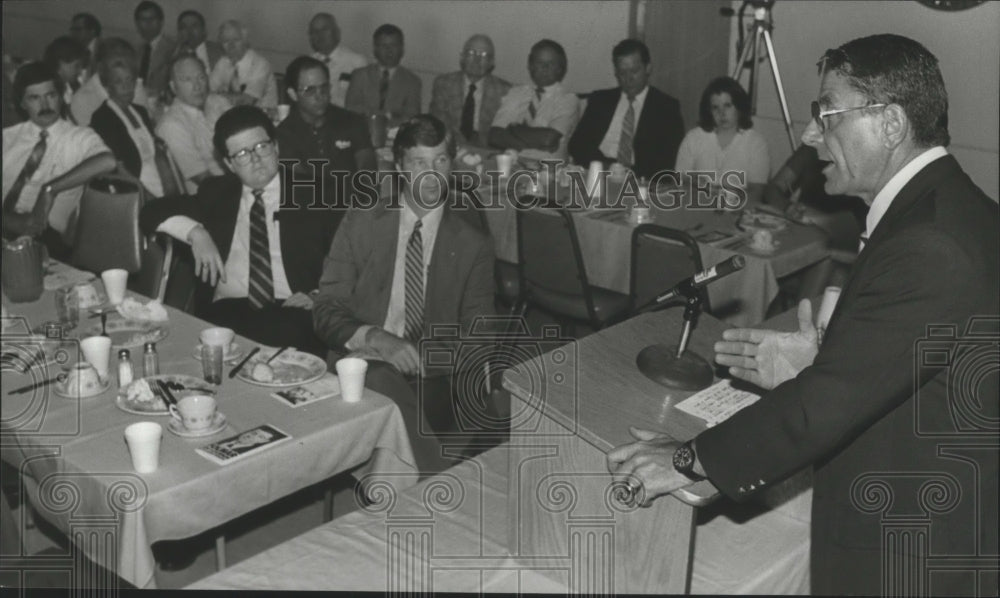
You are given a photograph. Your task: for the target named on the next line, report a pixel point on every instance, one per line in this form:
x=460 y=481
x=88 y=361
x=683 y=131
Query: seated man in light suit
x=385 y=87
x=645 y=140
x=467 y=100
x=398 y=270
x=243 y=75
x=258 y=252
x=538 y=119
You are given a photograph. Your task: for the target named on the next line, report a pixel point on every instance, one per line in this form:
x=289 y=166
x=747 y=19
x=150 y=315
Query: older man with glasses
x=258 y=252
x=467 y=100
x=896 y=411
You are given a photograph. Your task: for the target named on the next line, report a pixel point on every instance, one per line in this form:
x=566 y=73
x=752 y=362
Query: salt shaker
x=150 y=361
x=125 y=371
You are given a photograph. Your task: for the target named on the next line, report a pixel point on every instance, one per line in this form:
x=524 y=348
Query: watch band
x=683 y=460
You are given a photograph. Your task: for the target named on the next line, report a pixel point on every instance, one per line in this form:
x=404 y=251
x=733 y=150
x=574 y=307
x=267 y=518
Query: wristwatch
x=683 y=459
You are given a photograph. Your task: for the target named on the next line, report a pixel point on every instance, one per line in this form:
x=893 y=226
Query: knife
x=279 y=352
x=31 y=387
x=168 y=396
x=239 y=366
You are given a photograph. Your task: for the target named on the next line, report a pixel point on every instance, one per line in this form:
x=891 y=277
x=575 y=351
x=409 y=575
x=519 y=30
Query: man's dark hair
x=89 y=21
x=425 y=130
x=741 y=101
x=148 y=5
x=388 y=29
x=64 y=49
x=114 y=49
x=892 y=69
x=555 y=47
x=239 y=119
x=191 y=13
x=630 y=46
x=302 y=63
x=34 y=73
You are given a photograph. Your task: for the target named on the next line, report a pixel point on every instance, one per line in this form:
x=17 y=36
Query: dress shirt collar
x=640 y=98
x=880 y=205
x=468 y=82
x=431 y=220
x=272 y=194
x=53 y=130
x=553 y=89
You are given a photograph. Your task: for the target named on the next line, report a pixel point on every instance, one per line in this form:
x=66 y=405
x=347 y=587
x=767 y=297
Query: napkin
x=58 y=274
x=131 y=309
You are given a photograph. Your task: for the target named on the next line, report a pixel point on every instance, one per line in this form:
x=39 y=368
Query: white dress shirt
x=65 y=147
x=747 y=152
x=342 y=61
x=252 y=74
x=609 y=146
x=558 y=109
x=395 y=318
x=202 y=53
x=187 y=131
x=149 y=176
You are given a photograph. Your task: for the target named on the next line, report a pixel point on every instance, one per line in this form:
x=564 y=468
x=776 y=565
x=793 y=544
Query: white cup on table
x=351 y=372
x=97 y=351
x=143 y=440
x=505 y=164
x=194 y=412
x=114 y=284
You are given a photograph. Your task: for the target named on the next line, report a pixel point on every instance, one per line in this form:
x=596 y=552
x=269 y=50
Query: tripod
x=751 y=51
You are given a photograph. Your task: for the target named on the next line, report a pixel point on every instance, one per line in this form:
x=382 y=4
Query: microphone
x=688 y=286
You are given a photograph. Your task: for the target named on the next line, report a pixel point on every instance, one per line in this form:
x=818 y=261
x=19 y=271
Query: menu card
x=718 y=402
x=297 y=396
x=242 y=445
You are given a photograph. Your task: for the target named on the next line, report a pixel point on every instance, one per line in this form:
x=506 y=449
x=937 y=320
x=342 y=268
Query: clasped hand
x=396 y=351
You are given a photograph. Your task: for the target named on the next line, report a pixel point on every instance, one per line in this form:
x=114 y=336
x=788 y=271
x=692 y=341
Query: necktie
x=535 y=101
x=383 y=89
x=147 y=50
x=468 y=113
x=625 y=141
x=415 y=285
x=34 y=160
x=260 y=290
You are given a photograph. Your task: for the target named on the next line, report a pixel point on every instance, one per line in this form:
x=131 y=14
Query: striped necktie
x=260 y=289
x=383 y=90
x=414 y=285
x=535 y=102
x=628 y=130
x=34 y=160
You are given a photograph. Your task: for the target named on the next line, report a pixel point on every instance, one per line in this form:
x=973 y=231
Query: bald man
x=467 y=100
x=340 y=61
x=242 y=75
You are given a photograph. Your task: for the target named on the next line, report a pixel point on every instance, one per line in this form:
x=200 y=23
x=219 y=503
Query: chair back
x=550 y=260
x=157 y=259
x=107 y=229
x=170 y=175
x=661 y=258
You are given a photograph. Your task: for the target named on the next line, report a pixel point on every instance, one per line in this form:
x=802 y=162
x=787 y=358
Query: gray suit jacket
x=448 y=99
x=159 y=63
x=402 y=99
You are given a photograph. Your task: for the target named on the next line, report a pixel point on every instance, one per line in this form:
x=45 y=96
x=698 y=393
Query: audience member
x=258 y=253
x=157 y=48
x=395 y=271
x=188 y=122
x=385 y=87
x=340 y=61
x=126 y=127
x=317 y=130
x=86 y=29
x=467 y=100
x=92 y=94
x=538 y=119
x=192 y=39
x=242 y=75
x=46 y=162
x=634 y=124
x=68 y=58
x=724 y=140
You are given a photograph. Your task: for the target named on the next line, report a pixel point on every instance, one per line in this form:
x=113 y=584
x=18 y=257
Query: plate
x=290 y=368
x=234 y=354
x=761 y=250
x=757 y=220
x=218 y=424
x=146 y=402
x=58 y=389
x=130 y=334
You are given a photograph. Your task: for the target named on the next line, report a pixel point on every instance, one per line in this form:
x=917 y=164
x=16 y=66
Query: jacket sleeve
x=333 y=318
x=582 y=146
x=158 y=210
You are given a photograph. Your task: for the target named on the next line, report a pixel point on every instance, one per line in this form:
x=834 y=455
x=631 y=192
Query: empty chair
x=107 y=230
x=552 y=272
x=661 y=258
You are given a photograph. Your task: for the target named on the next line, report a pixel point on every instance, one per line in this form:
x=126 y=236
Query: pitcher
x=22 y=269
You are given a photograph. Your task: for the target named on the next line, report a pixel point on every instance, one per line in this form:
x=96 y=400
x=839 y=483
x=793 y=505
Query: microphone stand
x=676 y=367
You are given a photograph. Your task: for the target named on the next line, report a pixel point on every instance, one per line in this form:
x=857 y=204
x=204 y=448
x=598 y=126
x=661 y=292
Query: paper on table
x=317 y=390
x=717 y=403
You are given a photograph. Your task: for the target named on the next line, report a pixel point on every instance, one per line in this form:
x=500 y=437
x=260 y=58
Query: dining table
x=75 y=467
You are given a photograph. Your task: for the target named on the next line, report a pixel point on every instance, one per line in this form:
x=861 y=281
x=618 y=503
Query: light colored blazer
x=448 y=99
x=402 y=99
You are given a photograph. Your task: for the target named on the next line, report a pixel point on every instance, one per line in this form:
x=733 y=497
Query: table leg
x=220 y=552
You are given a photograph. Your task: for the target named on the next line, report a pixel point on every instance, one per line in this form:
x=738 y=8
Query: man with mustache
x=46 y=162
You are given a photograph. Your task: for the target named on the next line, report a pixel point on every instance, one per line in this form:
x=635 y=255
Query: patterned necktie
x=383 y=90
x=414 y=285
x=260 y=290
x=535 y=101
x=625 y=141
x=468 y=113
x=34 y=160
x=147 y=51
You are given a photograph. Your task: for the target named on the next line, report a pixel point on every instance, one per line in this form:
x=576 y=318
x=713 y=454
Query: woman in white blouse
x=125 y=127
x=724 y=140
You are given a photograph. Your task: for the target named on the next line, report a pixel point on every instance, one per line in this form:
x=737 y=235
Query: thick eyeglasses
x=818 y=115
x=482 y=54
x=315 y=90
x=263 y=149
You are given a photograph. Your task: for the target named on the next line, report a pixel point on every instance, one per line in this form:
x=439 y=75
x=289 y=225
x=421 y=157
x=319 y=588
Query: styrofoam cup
x=114 y=284
x=351 y=371
x=97 y=352
x=143 y=440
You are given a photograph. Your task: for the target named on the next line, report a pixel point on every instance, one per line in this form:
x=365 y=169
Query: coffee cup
x=82 y=380
x=194 y=412
x=114 y=284
x=351 y=372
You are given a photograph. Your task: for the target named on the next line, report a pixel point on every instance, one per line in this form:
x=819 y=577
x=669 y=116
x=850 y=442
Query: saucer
x=234 y=354
x=93 y=392
x=217 y=425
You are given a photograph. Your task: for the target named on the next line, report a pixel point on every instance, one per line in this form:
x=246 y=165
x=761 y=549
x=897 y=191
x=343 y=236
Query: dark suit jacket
x=658 y=133
x=876 y=405
x=115 y=135
x=358 y=273
x=402 y=99
x=448 y=99
x=159 y=63
x=305 y=234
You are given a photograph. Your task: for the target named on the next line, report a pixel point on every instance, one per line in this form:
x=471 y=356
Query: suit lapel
x=385 y=236
x=228 y=211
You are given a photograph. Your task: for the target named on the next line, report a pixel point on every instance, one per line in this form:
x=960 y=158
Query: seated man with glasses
x=334 y=140
x=258 y=253
x=467 y=100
